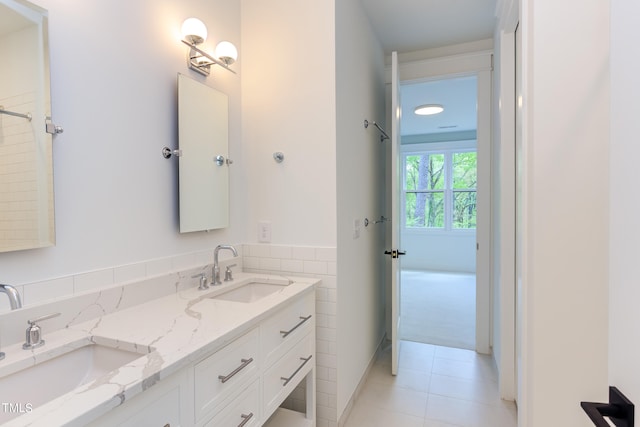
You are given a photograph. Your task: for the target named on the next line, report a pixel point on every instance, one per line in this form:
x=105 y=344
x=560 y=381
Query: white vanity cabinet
x=240 y=385
x=225 y=372
x=168 y=403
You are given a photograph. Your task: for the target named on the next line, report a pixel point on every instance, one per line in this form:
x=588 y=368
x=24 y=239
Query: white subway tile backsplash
x=282 y=252
x=332 y=268
x=326 y=334
x=333 y=376
x=261 y=251
x=304 y=253
x=326 y=254
x=322 y=399
x=46 y=290
x=329 y=282
x=327 y=360
x=251 y=262
x=128 y=273
x=321 y=294
x=157 y=267
x=326 y=413
x=270 y=264
x=182 y=262
x=93 y=280
x=292 y=265
x=326 y=307
x=315 y=267
x=322 y=347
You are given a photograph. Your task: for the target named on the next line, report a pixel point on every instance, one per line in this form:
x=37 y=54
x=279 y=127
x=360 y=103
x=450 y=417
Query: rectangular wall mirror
x=203 y=132
x=26 y=164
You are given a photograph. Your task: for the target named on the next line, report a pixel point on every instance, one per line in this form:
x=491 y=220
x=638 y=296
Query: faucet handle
x=34 y=333
x=203 y=285
x=228 y=274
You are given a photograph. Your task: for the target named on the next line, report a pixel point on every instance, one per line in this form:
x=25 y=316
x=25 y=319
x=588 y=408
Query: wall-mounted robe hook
x=278 y=156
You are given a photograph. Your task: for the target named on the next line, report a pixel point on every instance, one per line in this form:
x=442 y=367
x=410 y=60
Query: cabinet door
x=286 y=373
x=166 y=404
x=242 y=411
x=225 y=372
x=284 y=329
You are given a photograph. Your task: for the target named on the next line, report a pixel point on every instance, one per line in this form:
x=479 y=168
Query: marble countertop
x=170 y=332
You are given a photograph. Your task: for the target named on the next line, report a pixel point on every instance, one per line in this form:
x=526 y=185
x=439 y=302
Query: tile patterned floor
x=435 y=387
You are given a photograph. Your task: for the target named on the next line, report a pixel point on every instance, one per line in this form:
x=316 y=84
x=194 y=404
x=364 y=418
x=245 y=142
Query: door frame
x=479 y=64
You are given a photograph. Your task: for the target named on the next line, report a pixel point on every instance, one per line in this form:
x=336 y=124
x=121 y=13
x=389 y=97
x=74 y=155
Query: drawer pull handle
x=225 y=378
x=245 y=419
x=286 y=380
x=303 y=319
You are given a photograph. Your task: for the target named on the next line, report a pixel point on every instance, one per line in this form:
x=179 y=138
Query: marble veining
x=175 y=330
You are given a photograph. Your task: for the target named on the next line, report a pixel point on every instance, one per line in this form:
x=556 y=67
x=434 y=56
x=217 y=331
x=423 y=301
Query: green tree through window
x=440 y=190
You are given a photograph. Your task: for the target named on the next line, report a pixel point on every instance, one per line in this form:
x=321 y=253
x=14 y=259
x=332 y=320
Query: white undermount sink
x=250 y=292
x=45 y=381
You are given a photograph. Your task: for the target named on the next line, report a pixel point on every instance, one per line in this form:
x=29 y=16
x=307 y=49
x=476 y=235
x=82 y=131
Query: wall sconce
x=194 y=33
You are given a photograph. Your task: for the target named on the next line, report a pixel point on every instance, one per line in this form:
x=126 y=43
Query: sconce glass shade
x=226 y=52
x=194 y=30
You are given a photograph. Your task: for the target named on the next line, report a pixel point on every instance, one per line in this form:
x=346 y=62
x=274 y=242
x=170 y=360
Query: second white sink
x=250 y=292
x=50 y=379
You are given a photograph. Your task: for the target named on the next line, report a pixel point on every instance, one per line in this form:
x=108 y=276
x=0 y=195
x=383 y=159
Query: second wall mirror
x=203 y=132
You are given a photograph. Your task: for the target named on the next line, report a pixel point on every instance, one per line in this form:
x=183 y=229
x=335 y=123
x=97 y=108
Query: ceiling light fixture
x=428 y=109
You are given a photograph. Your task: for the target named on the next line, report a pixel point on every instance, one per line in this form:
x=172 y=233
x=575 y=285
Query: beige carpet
x=438 y=308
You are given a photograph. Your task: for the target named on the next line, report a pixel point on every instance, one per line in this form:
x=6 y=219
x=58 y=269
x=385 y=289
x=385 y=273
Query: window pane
x=464 y=209
x=465 y=170
x=424 y=172
x=425 y=210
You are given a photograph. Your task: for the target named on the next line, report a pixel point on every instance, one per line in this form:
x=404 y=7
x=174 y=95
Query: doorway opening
x=439 y=213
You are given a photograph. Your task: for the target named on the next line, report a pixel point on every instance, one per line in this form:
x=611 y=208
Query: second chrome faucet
x=215 y=276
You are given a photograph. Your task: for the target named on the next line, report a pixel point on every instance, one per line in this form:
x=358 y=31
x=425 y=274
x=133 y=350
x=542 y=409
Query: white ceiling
x=409 y=25
x=457 y=96
x=412 y=25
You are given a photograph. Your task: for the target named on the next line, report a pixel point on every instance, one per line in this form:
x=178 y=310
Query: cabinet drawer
x=225 y=372
x=243 y=411
x=285 y=328
x=287 y=372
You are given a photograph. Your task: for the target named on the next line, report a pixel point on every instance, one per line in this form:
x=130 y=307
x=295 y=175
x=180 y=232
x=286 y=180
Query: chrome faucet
x=215 y=279
x=14 y=296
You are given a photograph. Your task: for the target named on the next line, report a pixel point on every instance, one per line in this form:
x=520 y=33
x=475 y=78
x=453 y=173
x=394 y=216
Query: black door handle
x=395 y=253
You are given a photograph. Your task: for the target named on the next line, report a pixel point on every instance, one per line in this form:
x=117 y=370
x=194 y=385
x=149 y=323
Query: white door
x=396 y=182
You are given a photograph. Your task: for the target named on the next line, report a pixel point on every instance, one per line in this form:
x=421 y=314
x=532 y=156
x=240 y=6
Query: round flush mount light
x=428 y=109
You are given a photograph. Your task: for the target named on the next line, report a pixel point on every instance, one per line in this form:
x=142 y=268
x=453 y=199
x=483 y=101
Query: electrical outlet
x=356 y=228
x=264 y=231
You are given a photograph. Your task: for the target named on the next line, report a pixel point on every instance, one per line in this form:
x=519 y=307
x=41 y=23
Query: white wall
x=624 y=292
x=565 y=210
x=113 y=67
x=288 y=96
x=360 y=158
x=439 y=252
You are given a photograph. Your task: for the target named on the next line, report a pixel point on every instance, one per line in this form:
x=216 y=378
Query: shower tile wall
x=318 y=262
x=18 y=175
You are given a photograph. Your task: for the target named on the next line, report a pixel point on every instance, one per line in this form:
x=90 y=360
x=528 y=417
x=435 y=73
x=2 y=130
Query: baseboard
x=347 y=410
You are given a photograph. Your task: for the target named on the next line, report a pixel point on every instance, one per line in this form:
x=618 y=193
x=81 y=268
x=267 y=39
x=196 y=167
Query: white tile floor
x=435 y=387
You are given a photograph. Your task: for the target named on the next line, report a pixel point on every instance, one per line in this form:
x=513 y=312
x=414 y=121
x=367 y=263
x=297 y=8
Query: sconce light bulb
x=194 y=31
x=226 y=52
